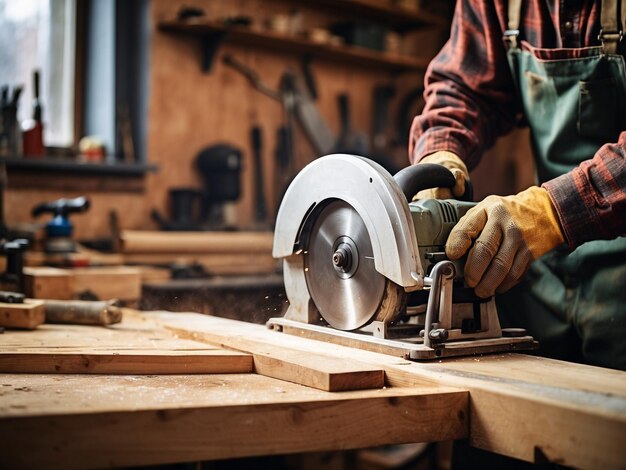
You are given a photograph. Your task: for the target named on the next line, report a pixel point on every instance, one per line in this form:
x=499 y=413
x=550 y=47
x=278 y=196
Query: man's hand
x=507 y=233
x=458 y=169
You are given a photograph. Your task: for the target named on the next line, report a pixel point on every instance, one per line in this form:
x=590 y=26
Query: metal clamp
x=440 y=282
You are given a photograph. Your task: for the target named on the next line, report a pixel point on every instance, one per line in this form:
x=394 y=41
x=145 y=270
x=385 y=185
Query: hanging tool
x=59 y=229
x=33 y=129
x=364 y=266
x=260 y=215
x=349 y=140
x=381 y=148
x=312 y=122
x=285 y=96
x=296 y=102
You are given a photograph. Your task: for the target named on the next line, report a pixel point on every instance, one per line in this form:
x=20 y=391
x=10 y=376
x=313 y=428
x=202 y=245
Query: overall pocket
x=597 y=110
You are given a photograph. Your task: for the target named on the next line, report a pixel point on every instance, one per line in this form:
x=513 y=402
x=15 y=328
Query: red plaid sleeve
x=591 y=199
x=470 y=97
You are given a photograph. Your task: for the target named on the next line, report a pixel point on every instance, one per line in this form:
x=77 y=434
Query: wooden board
x=131 y=347
x=111 y=282
x=48 y=283
x=215 y=361
x=105 y=282
x=318 y=371
x=27 y=315
x=521 y=406
x=218 y=263
x=113 y=421
x=322 y=371
x=138 y=241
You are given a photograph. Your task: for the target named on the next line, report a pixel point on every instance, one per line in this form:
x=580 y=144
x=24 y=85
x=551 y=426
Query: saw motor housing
x=431 y=312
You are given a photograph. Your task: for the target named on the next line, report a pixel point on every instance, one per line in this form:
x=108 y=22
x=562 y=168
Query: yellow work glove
x=458 y=169
x=507 y=234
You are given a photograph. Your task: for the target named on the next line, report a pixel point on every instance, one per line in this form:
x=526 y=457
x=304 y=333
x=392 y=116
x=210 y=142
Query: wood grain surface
x=521 y=406
x=134 y=346
x=112 y=421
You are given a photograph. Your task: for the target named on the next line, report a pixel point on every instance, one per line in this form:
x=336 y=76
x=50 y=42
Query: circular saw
x=365 y=267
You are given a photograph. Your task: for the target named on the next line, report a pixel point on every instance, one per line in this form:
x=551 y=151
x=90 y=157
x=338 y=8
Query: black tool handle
x=62 y=206
x=37 y=101
x=257 y=147
x=416 y=178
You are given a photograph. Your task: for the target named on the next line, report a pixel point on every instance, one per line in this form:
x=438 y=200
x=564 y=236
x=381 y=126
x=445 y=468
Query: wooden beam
x=145 y=241
x=131 y=347
x=27 y=315
x=113 y=421
x=207 y=361
x=521 y=406
x=318 y=371
x=48 y=283
x=105 y=282
x=108 y=282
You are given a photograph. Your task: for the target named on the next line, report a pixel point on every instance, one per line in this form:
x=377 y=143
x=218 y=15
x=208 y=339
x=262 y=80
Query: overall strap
x=514 y=11
x=612 y=19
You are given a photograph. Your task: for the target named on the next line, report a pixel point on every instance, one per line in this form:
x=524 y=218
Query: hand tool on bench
x=59 y=229
x=83 y=312
x=365 y=267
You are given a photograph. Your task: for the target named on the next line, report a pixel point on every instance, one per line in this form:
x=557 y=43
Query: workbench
x=164 y=387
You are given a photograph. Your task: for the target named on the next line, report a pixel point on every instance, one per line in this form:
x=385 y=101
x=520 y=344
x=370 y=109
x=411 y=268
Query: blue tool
x=59 y=230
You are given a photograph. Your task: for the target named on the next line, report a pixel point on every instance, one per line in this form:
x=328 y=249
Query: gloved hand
x=510 y=233
x=458 y=169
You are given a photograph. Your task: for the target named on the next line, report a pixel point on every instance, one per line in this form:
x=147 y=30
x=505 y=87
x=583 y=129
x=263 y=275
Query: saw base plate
x=408 y=349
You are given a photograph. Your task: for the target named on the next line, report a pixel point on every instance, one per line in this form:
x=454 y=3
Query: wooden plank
x=144 y=241
x=27 y=315
x=322 y=371
x=522 y=406
x=48 y=283
x=209 y=361
x=114 y=421
x=218 y=263
x=134 y=346
x=318 y=371
x=110 y=282
x=105 y=282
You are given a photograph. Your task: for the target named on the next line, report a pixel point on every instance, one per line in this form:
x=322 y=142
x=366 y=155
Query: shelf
x=213 y=31
x=395 y=17
x=61 y=165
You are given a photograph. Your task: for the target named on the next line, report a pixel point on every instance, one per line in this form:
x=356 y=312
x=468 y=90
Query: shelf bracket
x=210 y=44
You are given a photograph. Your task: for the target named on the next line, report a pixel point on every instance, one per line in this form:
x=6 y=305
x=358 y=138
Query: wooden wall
x=190 y=110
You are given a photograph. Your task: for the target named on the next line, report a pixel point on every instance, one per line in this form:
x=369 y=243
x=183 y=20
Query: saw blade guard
x=376 y=197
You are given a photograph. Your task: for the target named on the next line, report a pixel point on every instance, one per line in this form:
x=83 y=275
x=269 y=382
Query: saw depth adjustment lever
x=59 y=229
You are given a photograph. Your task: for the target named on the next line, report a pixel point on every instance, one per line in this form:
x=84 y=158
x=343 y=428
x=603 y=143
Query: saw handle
x=416 y=178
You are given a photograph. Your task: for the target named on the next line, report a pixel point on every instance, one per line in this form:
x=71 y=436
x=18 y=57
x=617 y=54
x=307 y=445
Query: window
x=40 y=35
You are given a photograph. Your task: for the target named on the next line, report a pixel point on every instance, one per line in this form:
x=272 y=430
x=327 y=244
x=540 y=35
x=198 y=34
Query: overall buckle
x=510 y=37
x=610 y=40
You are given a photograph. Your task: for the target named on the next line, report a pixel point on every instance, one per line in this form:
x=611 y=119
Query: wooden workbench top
x=522 y=406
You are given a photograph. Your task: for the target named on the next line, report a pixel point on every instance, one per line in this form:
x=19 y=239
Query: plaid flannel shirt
x=470 y=101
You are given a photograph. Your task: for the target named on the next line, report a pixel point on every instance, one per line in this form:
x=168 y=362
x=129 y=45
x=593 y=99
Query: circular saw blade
x=339 y=269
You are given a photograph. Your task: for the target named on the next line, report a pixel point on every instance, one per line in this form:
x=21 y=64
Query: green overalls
x=574 y=303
